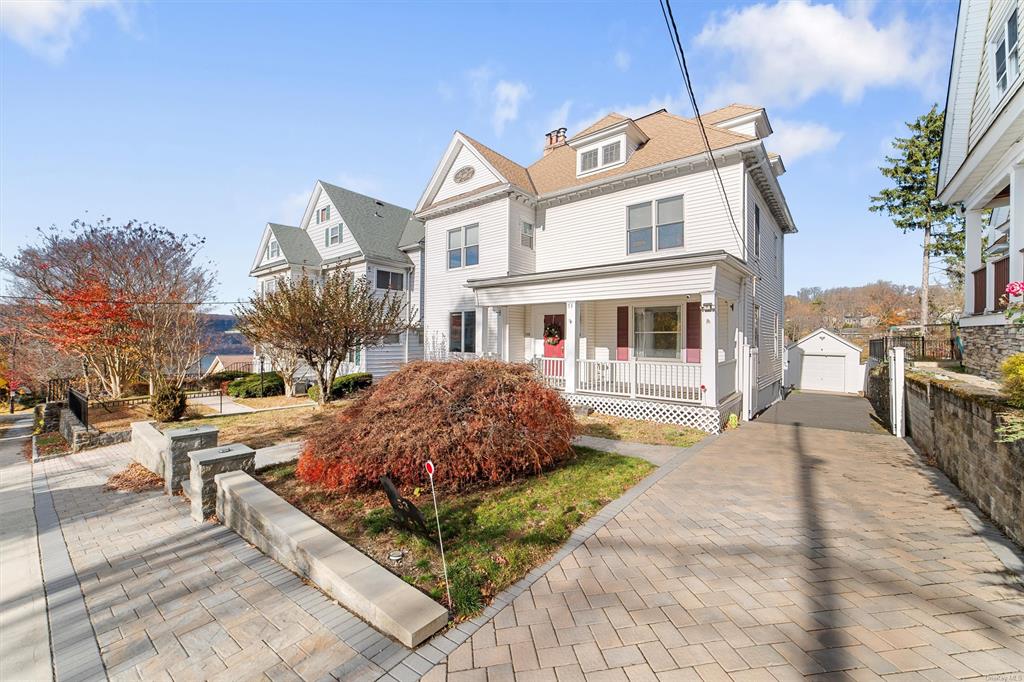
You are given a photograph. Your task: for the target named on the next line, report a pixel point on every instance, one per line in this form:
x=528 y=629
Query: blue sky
x=216 y=118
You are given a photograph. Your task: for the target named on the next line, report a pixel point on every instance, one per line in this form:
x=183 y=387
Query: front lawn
x=651 y=433
x=494 y=535
x=274 y=401
x=261 y=429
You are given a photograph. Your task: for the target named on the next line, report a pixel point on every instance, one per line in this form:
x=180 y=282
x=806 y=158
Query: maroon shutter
x=622 y=332
x=1002 y=278
x=692 y=332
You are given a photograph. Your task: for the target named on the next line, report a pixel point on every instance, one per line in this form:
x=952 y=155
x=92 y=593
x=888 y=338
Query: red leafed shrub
x=479 y=420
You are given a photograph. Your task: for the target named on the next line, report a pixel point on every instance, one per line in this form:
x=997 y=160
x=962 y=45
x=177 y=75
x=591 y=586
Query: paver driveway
x=778 y=551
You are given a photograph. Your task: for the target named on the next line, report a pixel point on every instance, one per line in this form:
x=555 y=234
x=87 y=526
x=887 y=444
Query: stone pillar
x=180 y=442
x=708 y=347
x=1016 y=227
x=972 y=257
x=205 y=465
x=572 y=343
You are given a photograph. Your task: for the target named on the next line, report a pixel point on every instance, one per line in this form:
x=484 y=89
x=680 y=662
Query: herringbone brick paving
x=778 y=552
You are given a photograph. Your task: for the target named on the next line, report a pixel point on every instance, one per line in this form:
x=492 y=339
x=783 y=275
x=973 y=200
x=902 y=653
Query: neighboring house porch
x=656 y=339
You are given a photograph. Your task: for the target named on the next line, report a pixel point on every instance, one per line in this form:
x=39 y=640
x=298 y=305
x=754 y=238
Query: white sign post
x=444 y=564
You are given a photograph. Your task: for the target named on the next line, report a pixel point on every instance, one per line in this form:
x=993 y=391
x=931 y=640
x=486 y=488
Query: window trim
x=329 y=235
x=1011 y=66
x=323 y=214
x=462 y=330
x=653 y=203
x=599 y=147
x=523 y=236
x=398 y=339
x=273 y=249
x=462 y=248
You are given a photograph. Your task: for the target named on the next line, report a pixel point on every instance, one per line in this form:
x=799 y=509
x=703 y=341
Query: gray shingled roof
x=377 y=226
x=412 y=235
x=295 y=244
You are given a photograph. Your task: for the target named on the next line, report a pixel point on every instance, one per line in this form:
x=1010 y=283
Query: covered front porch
x=657 y=339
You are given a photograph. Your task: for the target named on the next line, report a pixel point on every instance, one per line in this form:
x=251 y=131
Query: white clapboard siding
x=316 y=230
x=446 y=290
x=593 y=231
x=383 y=360
x=769 y=290
x=482 y=176
x=984 y=112
x=522 y=259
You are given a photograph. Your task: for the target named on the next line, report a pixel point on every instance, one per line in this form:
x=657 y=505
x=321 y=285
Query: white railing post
x=572 y=339
x=896 y=358
x=481 y=330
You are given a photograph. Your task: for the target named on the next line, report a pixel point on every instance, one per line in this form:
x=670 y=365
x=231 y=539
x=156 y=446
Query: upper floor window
x=273 y=249
x=463 y=246
x=268 y=286
x=611 y=153
x=526 y=235
x=332 y=235
x=323 y=215
x=757 y=231
x=394 y=281
x=588 y=160
x=1005 y=59
x=600 y=156
x=641 y=235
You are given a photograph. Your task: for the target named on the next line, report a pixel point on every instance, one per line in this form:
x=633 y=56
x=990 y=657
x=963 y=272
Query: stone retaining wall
x=165 y=453
x=877 y=391
x=301 y=544
x=955 y=423
x=80 y=437
x=47 y=416
x=987 y=346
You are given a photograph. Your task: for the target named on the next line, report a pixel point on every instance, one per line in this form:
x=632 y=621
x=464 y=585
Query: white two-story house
x=982 y=172
x=366 y=236
x=618 y=263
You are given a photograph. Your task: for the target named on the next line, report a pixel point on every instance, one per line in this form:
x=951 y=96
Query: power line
x=677 y=48
x=51 y=299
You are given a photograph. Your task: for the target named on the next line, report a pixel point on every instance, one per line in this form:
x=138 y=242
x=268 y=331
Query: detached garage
x=824 y=361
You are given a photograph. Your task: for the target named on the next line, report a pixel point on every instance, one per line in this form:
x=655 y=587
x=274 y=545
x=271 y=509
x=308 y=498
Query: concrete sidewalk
x=25 y=642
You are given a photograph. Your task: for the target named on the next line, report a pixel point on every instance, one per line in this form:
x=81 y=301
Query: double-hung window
x=332 y=235
x=393 y=281
x=268 y=286
x=611 y=153
x=641 y=233
x=588 y=160
x=463 y=246
x=657 y=332
x=273 y=249
x=323 y=215
x=1005 y=56
x=462 y=332
x=526 y=235
x=391 y=339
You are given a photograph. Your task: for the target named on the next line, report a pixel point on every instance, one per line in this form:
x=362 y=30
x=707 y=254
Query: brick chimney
x=554 y=139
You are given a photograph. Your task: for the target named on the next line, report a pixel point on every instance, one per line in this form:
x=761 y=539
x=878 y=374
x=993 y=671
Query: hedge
x=343 y=385
x=249 y=385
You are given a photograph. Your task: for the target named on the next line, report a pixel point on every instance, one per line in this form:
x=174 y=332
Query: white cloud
x=788 y=52
x=793 y=139
x=622 y=60
x=678 y=105
x=507 y=97
x=560 y=116
x=48 y=28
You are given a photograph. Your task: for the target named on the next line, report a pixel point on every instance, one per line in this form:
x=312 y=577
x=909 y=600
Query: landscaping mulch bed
x=49 y=444
x=639 y=431
x=493 y=535
x=134 y=478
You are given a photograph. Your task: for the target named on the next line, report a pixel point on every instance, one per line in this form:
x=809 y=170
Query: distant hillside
x=221 y=341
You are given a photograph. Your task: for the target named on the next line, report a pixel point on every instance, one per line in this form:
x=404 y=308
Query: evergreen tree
x=912 y=204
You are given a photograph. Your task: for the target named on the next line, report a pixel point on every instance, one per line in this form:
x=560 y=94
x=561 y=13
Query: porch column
x=503 y=333
x=708 y=347
x=572 y=342
x=481 y=330
x=1016 y=227
x=972 y=256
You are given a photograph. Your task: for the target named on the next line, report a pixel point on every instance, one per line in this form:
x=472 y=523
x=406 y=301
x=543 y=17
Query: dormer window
x=323 y=215
x=588 y=160
x=1004 y=56
x=273 y=249
x=332 y=235
x=599 y=156
x=611 y=153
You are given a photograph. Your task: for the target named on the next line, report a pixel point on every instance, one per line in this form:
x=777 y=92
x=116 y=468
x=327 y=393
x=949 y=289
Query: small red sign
x=430 y=468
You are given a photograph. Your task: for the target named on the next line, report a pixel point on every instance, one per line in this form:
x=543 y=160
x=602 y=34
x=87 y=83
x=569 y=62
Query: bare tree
x=322 y=322
x=285 y=362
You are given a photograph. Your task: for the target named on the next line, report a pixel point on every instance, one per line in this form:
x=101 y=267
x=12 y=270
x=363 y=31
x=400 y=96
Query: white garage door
x=823 y=373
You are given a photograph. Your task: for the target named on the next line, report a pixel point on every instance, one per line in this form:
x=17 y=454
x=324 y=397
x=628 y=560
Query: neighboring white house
x=616 y=265
x=366 y=236
x=982 y=170
x=824 y=361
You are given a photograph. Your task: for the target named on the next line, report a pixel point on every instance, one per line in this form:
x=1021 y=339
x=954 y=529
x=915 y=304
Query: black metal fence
x=918 y=348
x=78 y=403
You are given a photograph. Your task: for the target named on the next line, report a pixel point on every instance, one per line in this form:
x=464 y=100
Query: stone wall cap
x=231 y=451
x=191 y=431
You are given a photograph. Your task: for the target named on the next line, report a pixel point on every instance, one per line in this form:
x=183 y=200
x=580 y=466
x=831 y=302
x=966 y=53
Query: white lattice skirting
x=707 y=419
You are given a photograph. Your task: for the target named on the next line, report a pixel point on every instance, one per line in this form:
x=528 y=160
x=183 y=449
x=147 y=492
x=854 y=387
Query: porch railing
x=675 y=381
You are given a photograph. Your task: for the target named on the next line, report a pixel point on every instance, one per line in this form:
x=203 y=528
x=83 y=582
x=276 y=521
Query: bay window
x=463 y=246
x=462 y=332
x=657 y=332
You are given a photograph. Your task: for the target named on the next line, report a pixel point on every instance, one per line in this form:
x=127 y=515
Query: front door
x=554 y=336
